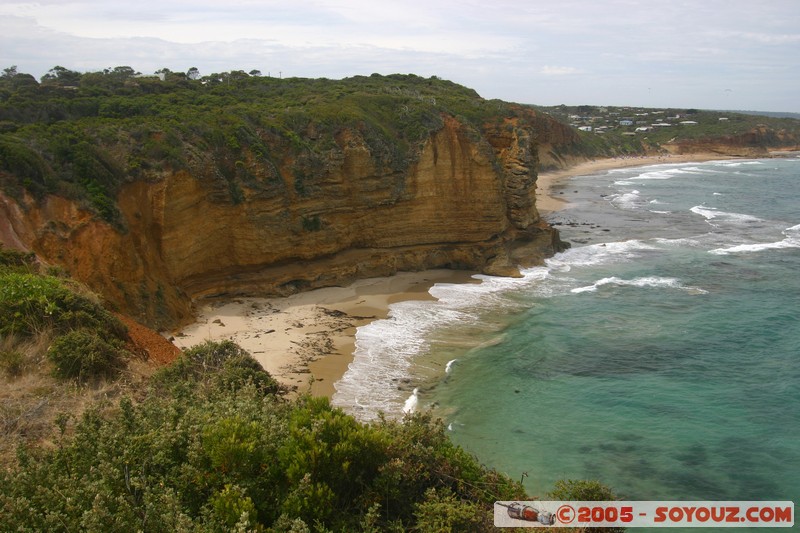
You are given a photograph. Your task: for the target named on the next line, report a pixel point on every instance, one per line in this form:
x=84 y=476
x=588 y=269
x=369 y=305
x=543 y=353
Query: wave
x=660 y=172
x=628 y=200
x=691 y=242
x=668 y=173
x=712 y=213
x=647 y=281
x=598 y=254
x=792 y=240
x=385 y=349
x=734 y=164
x=411 y=403
x=449 y=367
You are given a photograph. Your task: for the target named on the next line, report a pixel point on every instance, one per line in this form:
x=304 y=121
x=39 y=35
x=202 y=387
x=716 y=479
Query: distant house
x=626 y=122
x=688 y=123
x=721 y=119
x=661 y=125
x=643 y=129
x=585 y=128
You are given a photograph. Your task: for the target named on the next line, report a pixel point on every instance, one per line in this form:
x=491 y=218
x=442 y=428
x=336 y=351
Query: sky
x=706 y=54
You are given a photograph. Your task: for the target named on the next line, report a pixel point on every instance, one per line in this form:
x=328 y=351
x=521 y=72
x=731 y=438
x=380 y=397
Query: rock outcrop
x=466 y=200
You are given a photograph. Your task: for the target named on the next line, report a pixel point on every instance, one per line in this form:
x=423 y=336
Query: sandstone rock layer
x=467 y=200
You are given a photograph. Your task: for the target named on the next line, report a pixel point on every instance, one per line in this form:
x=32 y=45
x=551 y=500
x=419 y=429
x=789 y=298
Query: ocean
x=660 y=354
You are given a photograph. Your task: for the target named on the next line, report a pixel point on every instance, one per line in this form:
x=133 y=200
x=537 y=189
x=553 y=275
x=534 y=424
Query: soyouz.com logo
x=644 y=514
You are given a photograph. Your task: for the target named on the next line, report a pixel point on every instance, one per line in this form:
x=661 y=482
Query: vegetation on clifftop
x=83 y=135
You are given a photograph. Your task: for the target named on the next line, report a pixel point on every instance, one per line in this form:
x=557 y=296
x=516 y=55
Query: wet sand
x=306 y=341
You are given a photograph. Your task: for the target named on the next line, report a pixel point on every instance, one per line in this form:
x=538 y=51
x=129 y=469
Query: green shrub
x=204 y=457
x=581 y=490
x=585 y=491
x=30 y=304
x=84 y=354
x=222 y=364
x=442 y=511
x=232 y=506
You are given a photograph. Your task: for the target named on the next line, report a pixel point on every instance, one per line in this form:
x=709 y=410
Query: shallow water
x=661 y=354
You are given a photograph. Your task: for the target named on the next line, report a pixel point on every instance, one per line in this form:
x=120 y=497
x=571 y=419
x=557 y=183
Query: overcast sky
x=710 y=54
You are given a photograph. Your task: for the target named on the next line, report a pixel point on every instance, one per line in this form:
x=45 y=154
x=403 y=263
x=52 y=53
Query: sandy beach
x=306 y=341
x=547 y=201
x=311 y=333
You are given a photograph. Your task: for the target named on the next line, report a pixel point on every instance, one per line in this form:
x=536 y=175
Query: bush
x=582 y=490
x=585 y=491
x=84 y=354
x=203 y=458
x=222 y=364
x=30 y=304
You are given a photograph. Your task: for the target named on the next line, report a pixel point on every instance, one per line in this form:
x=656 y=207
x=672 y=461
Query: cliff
x=462 y=197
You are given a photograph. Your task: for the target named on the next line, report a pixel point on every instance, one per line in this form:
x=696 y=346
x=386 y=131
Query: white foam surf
x=712 y=213
x=628 y=200
x=642 y=282
x=385 y=349
x=791 y=240
x=598 y=254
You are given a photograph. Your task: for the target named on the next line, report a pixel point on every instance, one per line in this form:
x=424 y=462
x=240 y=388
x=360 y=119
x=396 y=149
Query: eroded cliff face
x=467 y=201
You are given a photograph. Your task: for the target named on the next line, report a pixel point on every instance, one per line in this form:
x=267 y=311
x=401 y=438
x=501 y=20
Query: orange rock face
x=467 y=201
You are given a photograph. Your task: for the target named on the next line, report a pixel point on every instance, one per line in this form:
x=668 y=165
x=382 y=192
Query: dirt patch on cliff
x=148 y=344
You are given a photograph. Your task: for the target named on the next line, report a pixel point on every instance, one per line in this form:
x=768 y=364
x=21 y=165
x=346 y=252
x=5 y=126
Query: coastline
x=548 y=201
x=306 y=341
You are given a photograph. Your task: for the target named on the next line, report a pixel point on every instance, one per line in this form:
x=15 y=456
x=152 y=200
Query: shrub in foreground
x=212 y=454
x=84 y=354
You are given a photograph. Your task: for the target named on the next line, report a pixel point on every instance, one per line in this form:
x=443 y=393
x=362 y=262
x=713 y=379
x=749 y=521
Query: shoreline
x=306 y=341
x=547 y=201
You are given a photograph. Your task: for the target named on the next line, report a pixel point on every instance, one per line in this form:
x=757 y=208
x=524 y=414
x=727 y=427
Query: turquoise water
x=660 y=354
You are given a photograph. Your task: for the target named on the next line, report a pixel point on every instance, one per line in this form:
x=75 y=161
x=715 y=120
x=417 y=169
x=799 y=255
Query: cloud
x=517 y=50
x=548 y=70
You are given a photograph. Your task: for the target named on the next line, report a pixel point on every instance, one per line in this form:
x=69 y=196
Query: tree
x=61 y=76
x=121 y=72
x=10 y=72
x=193 y=73
x=255 y=72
